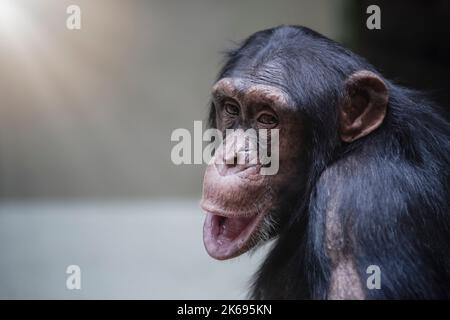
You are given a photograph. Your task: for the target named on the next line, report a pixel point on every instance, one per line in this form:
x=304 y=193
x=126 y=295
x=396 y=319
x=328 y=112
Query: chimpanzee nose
x=237 y=153
x=229 y=162
x=233 y=164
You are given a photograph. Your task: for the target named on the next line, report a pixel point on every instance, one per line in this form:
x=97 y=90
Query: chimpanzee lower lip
x=226 y=237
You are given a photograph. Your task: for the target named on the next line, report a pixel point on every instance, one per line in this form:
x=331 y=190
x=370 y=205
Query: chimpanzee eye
x=267 y=119
x=231 y=108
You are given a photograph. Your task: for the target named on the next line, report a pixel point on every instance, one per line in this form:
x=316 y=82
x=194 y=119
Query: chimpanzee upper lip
x=226 y=236
x=251 y=171
x=218 y=212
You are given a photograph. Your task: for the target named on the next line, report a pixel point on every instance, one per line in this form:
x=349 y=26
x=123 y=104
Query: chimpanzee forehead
x=245 y=90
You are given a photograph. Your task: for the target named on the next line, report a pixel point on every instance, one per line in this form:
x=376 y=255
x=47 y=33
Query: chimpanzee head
x=316 y=97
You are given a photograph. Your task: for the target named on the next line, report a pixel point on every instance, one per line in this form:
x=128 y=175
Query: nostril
x=234 y=162
x=230 y=162
x=233 y=166
x=226 y=165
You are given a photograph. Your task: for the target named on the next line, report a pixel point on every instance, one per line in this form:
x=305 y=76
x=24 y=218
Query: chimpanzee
x=363 y=179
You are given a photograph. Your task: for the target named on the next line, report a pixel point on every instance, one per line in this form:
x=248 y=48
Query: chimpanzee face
x=240 y=199
x=244 y=205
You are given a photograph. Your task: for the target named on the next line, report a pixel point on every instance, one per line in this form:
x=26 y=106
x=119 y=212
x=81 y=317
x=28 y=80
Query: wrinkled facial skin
x=242 y=205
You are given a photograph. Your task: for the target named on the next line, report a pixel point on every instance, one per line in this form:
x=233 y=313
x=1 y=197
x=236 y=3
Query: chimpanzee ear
x=364 y=106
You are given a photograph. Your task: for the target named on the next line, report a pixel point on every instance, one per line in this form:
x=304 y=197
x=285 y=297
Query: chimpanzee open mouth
x=228 y=236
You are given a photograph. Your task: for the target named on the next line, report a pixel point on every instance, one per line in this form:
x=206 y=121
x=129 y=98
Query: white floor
x=126 y=250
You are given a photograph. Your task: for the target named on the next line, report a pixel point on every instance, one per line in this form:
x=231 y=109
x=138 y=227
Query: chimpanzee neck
x=289 y=268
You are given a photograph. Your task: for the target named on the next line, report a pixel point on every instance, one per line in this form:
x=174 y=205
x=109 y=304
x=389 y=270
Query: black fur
x=394 y=182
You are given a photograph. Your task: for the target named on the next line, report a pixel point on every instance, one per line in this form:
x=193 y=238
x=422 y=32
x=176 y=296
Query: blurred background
x=86 y=118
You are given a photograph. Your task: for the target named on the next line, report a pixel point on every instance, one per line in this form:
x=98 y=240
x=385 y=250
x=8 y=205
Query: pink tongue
x=230 y=228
